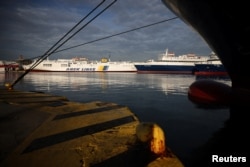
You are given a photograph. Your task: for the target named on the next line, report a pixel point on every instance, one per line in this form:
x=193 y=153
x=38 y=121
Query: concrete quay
x=38 y=130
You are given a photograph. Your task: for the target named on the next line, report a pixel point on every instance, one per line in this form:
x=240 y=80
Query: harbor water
x=159 y=98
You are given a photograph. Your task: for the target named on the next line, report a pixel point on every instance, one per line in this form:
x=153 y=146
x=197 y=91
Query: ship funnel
x=166 y=51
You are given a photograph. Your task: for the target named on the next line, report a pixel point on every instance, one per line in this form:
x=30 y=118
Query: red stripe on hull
x=210 y=73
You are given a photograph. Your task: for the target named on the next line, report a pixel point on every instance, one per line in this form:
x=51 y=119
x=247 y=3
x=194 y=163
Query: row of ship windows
x=64 y=65
x=50 y=65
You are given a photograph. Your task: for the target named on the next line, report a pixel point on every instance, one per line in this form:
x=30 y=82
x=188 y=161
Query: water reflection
x=168 y=84
x=160 y=98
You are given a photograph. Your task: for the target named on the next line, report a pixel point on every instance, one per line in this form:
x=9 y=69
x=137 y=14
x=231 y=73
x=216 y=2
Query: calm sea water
x=159 y=98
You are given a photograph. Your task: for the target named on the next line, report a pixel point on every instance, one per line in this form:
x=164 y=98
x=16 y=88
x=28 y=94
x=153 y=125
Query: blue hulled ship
x=212 y=66
x=170 y=63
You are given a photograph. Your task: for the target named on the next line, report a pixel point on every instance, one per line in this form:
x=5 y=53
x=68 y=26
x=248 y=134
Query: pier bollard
x=153 y=135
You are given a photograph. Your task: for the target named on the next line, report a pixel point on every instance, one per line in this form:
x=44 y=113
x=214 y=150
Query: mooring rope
x=49 y=52
x=110 y=36
x=124 y=32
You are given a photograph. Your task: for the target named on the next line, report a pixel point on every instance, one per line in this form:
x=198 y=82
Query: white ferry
x=82 y=65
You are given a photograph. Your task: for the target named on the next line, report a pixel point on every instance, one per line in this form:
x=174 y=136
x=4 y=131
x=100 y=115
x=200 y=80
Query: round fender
x=209 y=92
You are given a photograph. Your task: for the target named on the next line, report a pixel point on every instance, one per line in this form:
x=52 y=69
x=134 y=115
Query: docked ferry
x=81 y=65
x=212 y=66
x=170 y=63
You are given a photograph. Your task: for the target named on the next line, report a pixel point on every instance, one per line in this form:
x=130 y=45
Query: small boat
x=81 y=65
x=6 y=66
x=170 y=63
x=212 y=66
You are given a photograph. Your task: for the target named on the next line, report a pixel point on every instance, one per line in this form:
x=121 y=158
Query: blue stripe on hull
x=209 y=68
x=165 y=68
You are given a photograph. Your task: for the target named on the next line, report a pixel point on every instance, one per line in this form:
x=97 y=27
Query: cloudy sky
x=31 y=27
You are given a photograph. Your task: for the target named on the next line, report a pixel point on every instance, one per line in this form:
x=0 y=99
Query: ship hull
x=168 y=69
x=210 y=69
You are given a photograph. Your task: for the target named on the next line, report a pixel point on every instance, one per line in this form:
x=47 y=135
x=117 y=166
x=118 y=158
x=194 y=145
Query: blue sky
x=31 y=27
